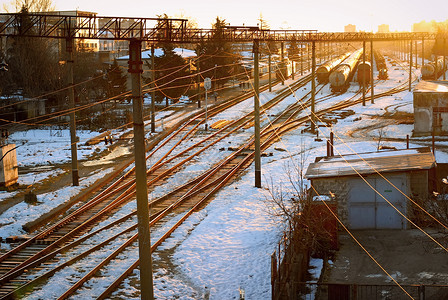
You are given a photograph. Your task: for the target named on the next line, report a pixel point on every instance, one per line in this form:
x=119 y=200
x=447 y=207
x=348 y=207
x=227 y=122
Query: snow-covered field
x=226 y=246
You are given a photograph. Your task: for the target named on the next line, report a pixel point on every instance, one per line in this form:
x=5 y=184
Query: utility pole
x=372 y=93
x=313 y=86
x=423 y=51
x=269 y=71
x=292 y=68
x=153 y=91
x=282 y=63
x=257 y=115
x=416 y=54
x=144 y=237
x=363 y=75
x=71 y=95
x=301 y=59
x=309 y=55
x=410 y=65
x=199 y=84
x=444 y=58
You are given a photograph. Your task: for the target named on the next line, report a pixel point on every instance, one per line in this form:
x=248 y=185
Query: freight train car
x=364 y=72
x=323 y=71
x=380 y=65
x=429 y=70
x=283 y=70
x=340 y=77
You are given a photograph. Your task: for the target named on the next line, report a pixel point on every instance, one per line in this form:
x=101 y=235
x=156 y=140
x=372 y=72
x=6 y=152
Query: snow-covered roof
x=372 y=162
x=431 y=87
x=184 y=53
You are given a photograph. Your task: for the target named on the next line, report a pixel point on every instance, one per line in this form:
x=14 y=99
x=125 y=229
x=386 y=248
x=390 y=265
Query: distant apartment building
x=383 y=28
x=81 y=44
x=424 y=26
x=350 y=28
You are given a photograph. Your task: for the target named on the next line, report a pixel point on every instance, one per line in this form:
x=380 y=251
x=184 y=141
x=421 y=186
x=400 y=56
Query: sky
x=323 y=15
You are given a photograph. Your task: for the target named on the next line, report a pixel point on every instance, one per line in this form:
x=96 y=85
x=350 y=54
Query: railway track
x=43 y=246
x=279 y=126
x=182 y=201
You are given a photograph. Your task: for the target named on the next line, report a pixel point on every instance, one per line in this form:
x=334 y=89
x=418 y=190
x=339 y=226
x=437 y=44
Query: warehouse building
x=361 y=193
x=431 y=108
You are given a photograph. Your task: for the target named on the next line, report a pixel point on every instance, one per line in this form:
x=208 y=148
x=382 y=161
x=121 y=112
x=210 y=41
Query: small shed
x=431 y=108
x=8 y=165
x=360 y=183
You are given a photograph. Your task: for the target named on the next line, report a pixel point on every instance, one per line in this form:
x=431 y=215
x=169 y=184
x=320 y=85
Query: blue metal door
x=367 y=205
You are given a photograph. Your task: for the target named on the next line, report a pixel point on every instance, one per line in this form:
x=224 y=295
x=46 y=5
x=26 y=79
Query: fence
x=329 y=291
x=288 y=268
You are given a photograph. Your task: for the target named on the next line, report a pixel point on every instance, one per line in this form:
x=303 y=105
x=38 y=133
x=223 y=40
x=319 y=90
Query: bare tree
x=30 y=5
x=33 y=63
x=294 y=210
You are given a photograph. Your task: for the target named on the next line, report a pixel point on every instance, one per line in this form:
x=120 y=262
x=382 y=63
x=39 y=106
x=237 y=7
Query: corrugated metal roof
x=431 y=87
x=369 y=163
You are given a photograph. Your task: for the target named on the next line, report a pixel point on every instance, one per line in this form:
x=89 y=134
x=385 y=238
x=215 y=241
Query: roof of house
x=184 y=53
x=372 y=162
x=431 y=87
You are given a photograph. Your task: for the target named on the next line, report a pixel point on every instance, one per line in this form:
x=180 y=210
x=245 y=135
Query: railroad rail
x=184 y=200
x=116 y=195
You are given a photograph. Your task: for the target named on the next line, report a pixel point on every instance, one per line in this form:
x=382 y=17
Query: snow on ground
x=227 y=245
x=14 y=218
x=39 y=147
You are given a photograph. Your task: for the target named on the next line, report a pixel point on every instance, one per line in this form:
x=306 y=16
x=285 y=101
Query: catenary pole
x=363 y=75
x=423 y=51
x=144 y=240
x=257 y=116
x=372 y=91
x=153 y=89
x=410 y=65
x=313 y=84
x=71 y=95
x=199 y=83
x=282 y=63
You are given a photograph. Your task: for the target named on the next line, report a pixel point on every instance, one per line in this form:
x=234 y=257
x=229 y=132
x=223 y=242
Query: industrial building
x=431 y=108
x=361 y=183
